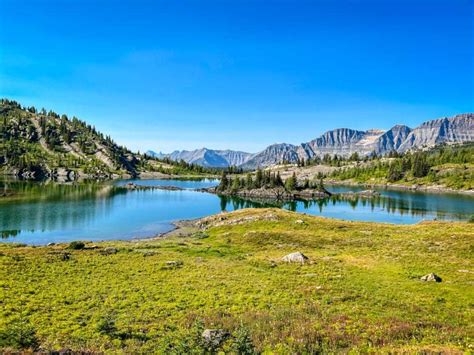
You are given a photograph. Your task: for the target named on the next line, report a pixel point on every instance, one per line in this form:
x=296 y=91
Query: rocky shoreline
x=133 y=186
x=415 y=187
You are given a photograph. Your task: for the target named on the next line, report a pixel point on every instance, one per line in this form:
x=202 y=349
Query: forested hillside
x=448 y=165
x=38 y=143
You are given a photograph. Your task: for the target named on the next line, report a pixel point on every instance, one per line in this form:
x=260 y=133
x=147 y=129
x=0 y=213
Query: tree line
x=265 y=179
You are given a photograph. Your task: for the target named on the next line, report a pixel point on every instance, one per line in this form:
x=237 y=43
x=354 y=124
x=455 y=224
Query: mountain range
x=341 y=141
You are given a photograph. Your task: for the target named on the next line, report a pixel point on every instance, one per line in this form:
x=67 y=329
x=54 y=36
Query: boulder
x=295 y=258
x=299 y=221
x=109 y=251
x=174 y=264
x=213 y=338
x=431 y=278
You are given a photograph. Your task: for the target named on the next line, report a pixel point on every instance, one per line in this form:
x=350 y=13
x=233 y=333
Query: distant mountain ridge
x=341 y=141
x=207 y=157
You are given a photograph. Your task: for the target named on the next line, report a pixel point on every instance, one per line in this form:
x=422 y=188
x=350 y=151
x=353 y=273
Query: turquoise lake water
x=51 y=212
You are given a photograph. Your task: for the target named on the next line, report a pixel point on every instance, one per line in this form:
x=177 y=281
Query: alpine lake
x=39 y=213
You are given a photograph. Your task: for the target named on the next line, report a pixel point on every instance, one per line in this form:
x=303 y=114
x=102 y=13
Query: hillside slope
x=36 y=144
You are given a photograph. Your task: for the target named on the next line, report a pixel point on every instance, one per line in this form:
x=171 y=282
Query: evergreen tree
x=224 y=184
x=278 y=180
x=235 y=184
x=420 y=166
x=395 y=171
x=290 y=183
x=249 y=182
x=259 y=178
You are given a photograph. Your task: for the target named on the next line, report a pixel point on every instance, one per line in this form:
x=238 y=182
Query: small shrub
x=243 y=343
x=201 y=235
x=76 y=245
x=106 y=325
x=17 y=257
x=19 y=334
x=174 y=264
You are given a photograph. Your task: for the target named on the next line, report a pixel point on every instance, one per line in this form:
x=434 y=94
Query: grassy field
x=359 y=292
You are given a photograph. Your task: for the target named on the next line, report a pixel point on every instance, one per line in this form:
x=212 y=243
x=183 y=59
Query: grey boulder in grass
x=295 y=258
x=431 y=278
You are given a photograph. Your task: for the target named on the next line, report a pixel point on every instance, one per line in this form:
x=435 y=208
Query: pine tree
x=279 y=181
x=235 y=184
x=249 y=182
x=258 y=178
x=290 y=183
x=420 y=166
x=395 y=171
x=223 y=185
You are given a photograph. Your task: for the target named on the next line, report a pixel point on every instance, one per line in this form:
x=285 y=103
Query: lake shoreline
x=415 y=188
x=140 y=209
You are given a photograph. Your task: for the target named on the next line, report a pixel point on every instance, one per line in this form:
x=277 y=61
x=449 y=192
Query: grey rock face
x=273 y=154
x=457 y=129
x=392 y=139
x=344 y=142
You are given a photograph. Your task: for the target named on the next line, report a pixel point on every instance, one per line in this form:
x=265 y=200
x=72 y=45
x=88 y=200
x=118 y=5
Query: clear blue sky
x=240 y=74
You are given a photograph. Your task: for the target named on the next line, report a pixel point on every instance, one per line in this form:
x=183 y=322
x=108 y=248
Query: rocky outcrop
x=213 y=338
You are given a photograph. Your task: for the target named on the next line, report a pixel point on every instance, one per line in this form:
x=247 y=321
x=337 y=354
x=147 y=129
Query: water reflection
x=38 y=213
x=455 y=207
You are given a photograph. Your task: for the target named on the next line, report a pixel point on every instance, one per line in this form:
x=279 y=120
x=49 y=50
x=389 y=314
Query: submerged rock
x=296 y=257
x=431 y=278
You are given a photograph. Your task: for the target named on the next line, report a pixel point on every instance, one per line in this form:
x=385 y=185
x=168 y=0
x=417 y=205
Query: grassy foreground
x=360 y=291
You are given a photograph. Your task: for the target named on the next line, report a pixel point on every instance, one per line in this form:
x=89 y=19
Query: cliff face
x=392 y=139
x=344 y=142
x=457 y=129
x=273 y=154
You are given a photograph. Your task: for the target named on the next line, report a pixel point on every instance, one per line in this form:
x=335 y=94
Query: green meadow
x=360 y=290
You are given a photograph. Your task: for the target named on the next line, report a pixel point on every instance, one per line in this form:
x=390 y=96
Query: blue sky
x=168 y=75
